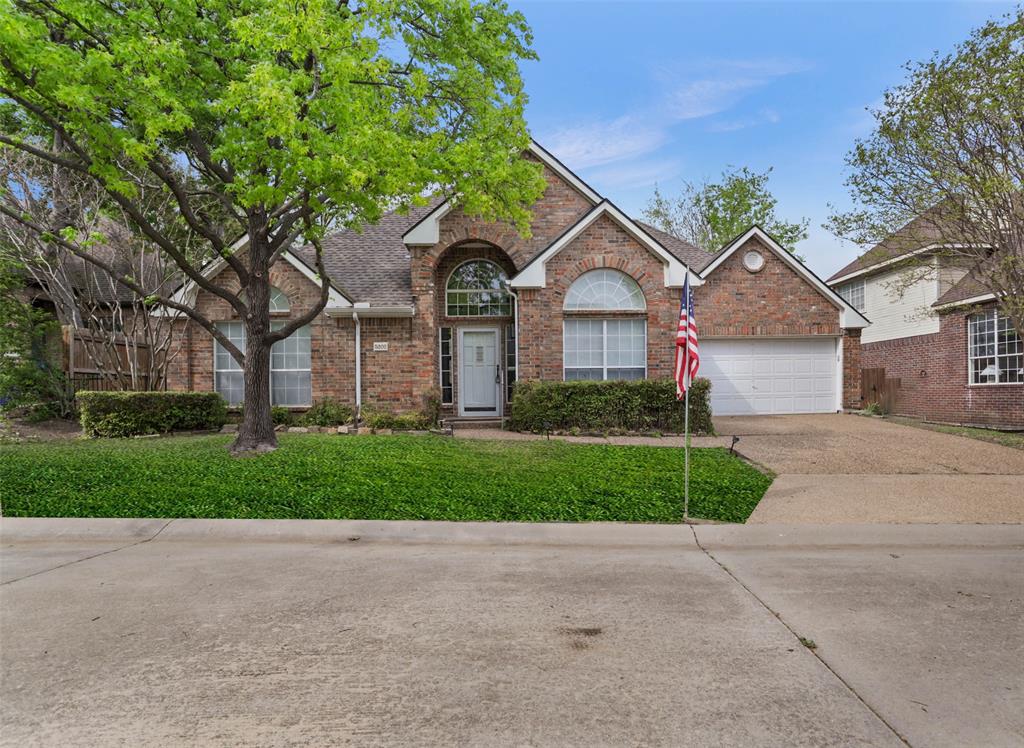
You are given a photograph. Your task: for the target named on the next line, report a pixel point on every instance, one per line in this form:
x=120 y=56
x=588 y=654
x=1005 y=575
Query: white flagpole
x=686 y=451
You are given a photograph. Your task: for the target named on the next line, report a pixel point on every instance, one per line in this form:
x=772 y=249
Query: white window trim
x=852 y=285
x=604 y=346
x=474 y=290
x=241 y=371
x=613 y=271
x=996 y=356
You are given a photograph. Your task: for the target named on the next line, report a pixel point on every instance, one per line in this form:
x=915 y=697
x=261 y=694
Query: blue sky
x=630 y=94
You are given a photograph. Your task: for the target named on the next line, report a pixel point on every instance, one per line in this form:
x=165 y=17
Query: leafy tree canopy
x=270 y=119
x=944 y=167
x=711 y=214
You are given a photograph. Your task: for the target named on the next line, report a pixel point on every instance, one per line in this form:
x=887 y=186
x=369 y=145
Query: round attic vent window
x=753 y=261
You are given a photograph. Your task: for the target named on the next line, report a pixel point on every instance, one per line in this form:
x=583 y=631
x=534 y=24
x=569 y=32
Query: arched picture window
x=279 y=303
x=478 y=288
x=605 y=348
x=604 y=290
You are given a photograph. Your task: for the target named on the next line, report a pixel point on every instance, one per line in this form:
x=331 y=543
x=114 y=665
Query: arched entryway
x=476 y=330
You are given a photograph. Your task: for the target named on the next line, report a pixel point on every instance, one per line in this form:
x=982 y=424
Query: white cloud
x=764 y=117
x=631 y=175
x=695 y=92
x=596 y=143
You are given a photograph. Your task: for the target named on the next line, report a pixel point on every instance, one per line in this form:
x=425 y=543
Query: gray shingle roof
x=694 y=257
x=916 y=234
x=966 y=288
x=372 y=265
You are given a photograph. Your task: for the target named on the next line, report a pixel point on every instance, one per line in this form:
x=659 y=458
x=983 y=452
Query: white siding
x=894 y=315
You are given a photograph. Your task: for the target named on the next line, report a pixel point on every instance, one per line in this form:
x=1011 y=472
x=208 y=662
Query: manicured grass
x=318 y=476
x=1013 y=439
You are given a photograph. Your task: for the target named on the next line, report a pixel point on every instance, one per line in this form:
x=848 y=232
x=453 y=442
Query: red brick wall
x=602 y=244
x=332 y=340
x=852 y=349
x=560 y=207
x=932 y=370
x=774 y=301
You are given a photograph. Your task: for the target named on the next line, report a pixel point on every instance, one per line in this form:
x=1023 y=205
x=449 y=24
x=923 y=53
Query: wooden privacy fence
x=875 y=387
x=97 y=361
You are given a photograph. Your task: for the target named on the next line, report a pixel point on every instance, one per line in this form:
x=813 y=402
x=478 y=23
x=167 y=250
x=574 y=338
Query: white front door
x=479 y=373
x=752 y=376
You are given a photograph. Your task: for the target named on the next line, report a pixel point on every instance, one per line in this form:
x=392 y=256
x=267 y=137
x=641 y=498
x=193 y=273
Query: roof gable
x=427 y=231
x=849 y=317
x=534 y=273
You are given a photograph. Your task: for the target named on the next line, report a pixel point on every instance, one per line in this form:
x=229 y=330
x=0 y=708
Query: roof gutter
x=370 y=311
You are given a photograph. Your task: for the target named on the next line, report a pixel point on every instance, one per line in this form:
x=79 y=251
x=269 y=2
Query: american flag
x=687 y=357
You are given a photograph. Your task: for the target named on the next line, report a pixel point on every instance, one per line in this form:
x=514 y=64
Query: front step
x=466 y=422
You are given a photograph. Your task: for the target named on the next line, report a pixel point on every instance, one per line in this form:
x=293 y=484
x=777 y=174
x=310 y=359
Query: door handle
x=497 y=373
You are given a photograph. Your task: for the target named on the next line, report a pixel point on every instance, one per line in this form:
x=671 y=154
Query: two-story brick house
x=438 y=301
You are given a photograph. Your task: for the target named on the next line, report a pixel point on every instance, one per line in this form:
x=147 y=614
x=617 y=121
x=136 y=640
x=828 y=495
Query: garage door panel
x=771 y=376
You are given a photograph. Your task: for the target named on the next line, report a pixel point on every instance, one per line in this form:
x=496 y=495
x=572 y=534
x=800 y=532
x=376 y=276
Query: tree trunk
x=256 y=432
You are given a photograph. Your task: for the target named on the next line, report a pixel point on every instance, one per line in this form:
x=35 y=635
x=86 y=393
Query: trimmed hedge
x=642 y=405
x=118 y=414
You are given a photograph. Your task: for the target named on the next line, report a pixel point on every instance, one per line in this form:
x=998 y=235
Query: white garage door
x=770 y=377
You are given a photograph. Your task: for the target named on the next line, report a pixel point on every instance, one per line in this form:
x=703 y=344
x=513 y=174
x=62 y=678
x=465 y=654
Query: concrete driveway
x=349 y=633
x=846 y=468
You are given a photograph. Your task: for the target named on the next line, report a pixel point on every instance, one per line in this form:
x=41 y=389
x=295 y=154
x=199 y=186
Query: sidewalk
x=323 y=632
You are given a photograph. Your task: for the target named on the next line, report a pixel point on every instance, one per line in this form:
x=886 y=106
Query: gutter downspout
x=359 y=367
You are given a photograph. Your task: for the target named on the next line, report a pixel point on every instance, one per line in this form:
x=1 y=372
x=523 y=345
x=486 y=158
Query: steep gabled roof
x=694 y=257
x=917 y=236
x=849 y=317
x=533 y=273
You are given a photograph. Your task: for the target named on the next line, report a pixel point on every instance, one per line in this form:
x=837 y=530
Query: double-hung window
x=995 y=353
x=598 y=347
x=853 y=294
x=290 y=361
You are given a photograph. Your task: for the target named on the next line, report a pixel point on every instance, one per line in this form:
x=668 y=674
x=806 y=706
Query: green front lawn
x=318 y=476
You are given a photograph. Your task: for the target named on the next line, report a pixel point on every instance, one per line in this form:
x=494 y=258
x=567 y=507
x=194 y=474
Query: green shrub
x=643 y=405
x=114 y=414
x=377 y=418
x=281 y=416
x=327 y=413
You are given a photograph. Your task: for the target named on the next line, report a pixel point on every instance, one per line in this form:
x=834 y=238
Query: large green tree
x=290 y=117
x=944 y=167
x=710 y=214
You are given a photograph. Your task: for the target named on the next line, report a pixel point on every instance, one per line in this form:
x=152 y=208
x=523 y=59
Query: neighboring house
x=947 y=353
x=438 y=301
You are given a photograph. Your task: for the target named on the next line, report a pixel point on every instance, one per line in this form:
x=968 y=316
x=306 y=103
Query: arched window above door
x=478 y=288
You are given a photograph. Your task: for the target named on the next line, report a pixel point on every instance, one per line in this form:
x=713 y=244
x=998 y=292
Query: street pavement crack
x=154 y=536
x=799 y=639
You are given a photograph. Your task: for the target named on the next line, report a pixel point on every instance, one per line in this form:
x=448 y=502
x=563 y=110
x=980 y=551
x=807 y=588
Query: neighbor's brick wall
x=932 y=370
x=774 y=301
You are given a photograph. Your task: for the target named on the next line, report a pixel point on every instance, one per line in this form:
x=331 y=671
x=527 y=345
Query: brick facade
x=932 y=370
x=772 y=302
x=733 y=302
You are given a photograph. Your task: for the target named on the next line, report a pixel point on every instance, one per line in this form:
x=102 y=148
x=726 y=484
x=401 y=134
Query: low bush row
x=642 y=406
x=114 y=414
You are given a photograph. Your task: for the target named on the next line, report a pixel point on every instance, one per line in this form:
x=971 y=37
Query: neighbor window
x=290 y=366
x=853 y=294
x=995 y=353
x=478 y=288
x=598 y=348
